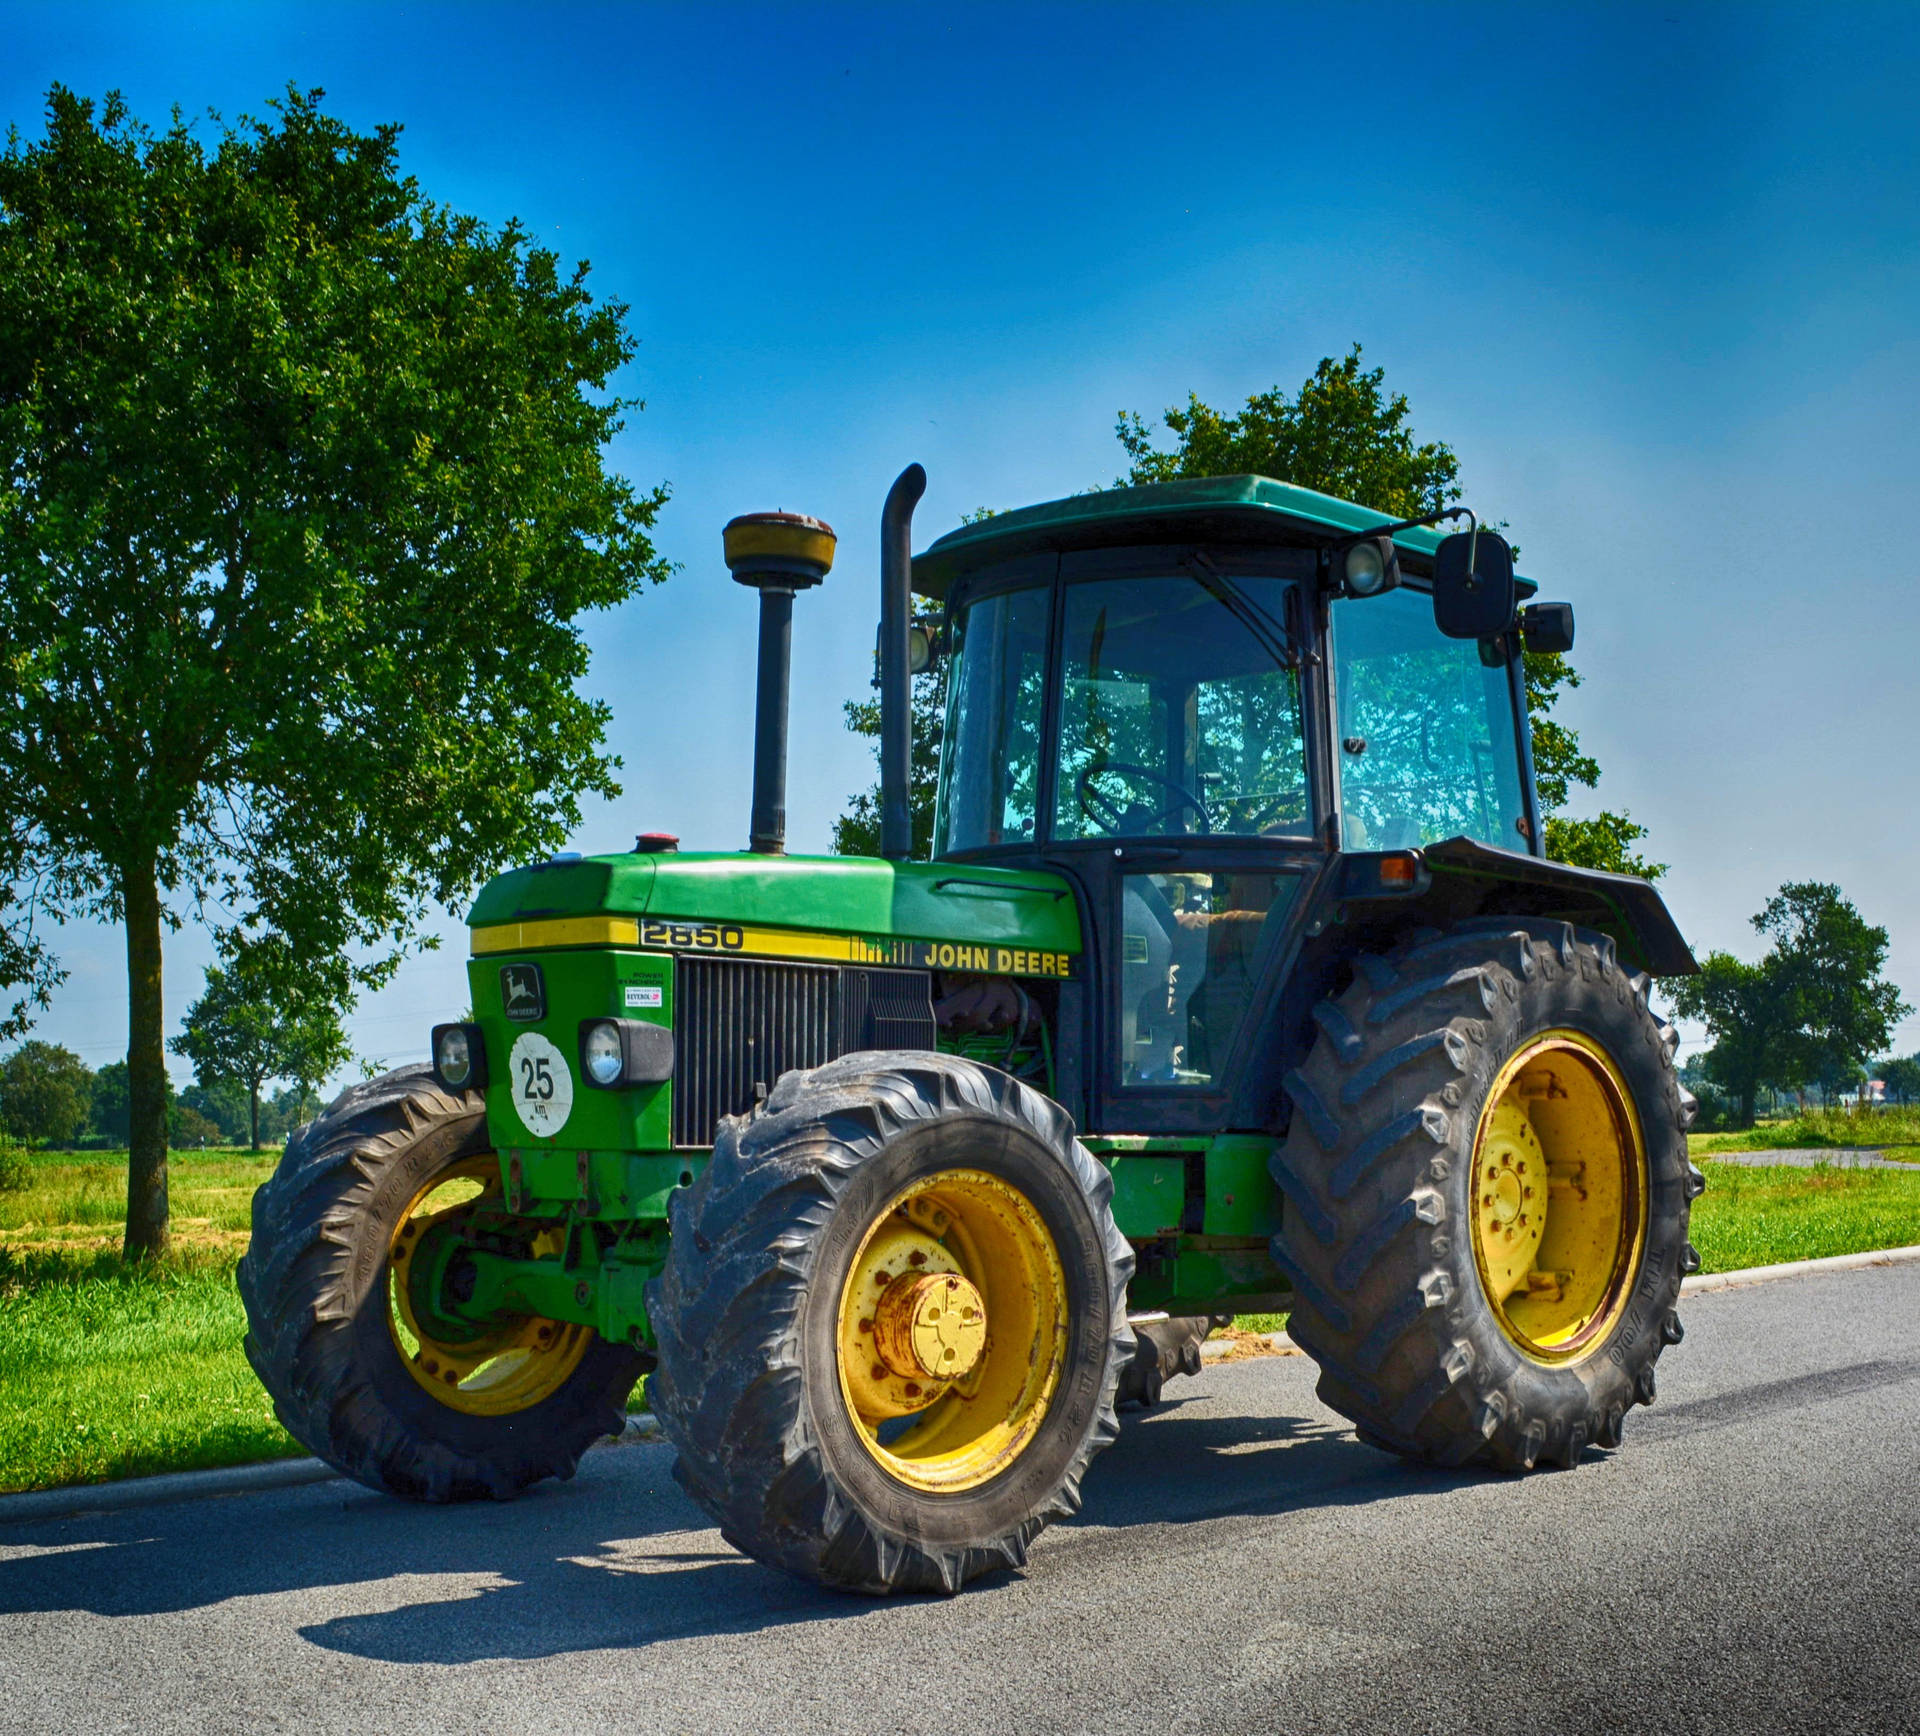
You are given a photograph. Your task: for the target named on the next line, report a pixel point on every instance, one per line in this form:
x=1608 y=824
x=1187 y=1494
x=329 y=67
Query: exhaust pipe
x=777 y=554
x=896 y=683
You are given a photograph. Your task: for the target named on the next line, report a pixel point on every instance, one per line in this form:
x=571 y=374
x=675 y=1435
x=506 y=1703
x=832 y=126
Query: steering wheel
x=1107 y=812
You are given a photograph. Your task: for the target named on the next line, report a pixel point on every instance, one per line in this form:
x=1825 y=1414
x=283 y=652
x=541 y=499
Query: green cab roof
x=1231 y=508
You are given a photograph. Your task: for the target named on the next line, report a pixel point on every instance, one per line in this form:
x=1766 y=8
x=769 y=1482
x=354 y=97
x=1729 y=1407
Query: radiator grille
x=740 y=1024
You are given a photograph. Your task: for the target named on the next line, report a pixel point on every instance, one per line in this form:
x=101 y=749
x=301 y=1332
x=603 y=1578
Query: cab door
x=1181 y=800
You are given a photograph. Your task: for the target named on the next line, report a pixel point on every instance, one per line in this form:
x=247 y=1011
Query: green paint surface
x=586 y=983
x=938 y=901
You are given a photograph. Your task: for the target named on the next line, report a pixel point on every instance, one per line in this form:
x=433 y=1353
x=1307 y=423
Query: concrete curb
x=43 y=1504
x=1708 y=1281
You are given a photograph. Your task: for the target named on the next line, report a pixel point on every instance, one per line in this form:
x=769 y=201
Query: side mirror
x=1473 y=591
x=1547 y=626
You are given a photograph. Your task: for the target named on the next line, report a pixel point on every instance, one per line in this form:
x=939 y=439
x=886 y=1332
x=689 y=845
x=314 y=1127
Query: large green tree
x=1344 y=433
x=265 y=1014
x=303 y=494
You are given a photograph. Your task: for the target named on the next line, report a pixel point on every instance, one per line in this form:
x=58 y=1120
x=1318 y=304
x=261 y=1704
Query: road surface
x=1746 y=1563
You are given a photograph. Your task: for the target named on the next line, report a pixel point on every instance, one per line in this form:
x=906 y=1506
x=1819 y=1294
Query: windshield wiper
x=1275 y=640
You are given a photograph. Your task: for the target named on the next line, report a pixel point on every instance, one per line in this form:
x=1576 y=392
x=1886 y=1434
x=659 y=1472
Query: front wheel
x=1487 y=1192
x=342 y=1324
x=891 y=1323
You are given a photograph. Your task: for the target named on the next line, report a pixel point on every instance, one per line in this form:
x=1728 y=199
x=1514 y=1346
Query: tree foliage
x=303 y=494
x=1901 y=1076
x=263 y=1015
x=1343 y=433
x=857 y=831
x=46 y=1094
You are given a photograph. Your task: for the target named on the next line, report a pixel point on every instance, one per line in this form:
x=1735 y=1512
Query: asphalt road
x=1746 y=1562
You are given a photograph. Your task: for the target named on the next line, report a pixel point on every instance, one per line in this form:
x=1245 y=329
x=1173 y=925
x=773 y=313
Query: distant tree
x=1901 y=1076
x=303 y=495
x=109 y=1112
x=1345 y=434
x=189 y=1129
x=1746 y=1010
x=46 y=1093
x=1809 y=1011
x=224 y=1104
x=290 y=1107
x=1829 y=958
x=264 y=1015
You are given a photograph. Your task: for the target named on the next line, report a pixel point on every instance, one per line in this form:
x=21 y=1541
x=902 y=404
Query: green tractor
x=1238 y=980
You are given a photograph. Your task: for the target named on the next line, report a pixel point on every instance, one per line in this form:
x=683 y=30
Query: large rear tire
x=1487 y=1191
x=891 y=1322
x=359 y=1371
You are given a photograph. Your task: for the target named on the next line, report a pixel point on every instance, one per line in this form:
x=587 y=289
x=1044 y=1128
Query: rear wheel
x=1487 y=1192
x=891 y=1322
x=342 y=1284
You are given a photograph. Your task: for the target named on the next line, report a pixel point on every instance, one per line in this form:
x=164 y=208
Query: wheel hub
x=1509 y=1188
x=930 y=1328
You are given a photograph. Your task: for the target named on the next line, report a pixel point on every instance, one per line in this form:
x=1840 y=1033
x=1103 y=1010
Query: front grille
x=740 y=1023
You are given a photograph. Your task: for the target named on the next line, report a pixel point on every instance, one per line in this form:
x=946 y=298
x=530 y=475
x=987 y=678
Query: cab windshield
x=1179 y=713
x=1179 y=710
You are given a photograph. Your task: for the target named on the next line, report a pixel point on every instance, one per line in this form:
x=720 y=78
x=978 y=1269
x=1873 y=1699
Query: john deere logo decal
x=523 y=996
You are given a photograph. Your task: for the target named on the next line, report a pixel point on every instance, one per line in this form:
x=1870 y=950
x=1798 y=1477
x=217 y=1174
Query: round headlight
x=602 y=1055
x=1366 y=571
x=452 y=1057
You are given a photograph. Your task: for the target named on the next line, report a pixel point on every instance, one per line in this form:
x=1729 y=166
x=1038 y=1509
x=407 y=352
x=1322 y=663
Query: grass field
x=1820 y=1129
x=114 y=1371
x=108 y=1371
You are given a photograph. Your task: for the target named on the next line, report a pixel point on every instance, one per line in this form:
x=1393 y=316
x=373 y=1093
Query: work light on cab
x=1370 y=567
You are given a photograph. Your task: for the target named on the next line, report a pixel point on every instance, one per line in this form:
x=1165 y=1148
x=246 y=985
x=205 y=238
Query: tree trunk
x=146 y=1067
x=253 y=1112
x=1746 y=1107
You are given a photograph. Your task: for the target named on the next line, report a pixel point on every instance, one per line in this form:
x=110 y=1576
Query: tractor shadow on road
x=621 y=1559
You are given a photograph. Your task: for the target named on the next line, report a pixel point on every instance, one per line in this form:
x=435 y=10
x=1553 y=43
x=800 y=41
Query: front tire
x=352 y=1361
x=891 y=1322
x=1487 y=1192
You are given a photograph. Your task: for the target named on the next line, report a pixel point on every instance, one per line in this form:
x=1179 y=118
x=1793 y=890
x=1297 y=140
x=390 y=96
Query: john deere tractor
x=1238 y=980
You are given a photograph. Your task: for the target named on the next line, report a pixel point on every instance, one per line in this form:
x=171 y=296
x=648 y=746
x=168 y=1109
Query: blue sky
x=1653 y=272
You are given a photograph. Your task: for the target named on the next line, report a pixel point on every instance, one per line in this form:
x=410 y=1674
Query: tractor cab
x=1192 y=699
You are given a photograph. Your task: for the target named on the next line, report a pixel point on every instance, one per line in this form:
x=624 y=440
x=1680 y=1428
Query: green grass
x=1768 y=1215
x=113 y=1371
x=1819 y=1129
x=109 y=1370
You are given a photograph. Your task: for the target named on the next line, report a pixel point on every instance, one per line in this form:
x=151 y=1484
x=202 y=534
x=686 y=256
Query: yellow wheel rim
x=507 y=1365
x=1559 y=1198
x=952 y=1331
